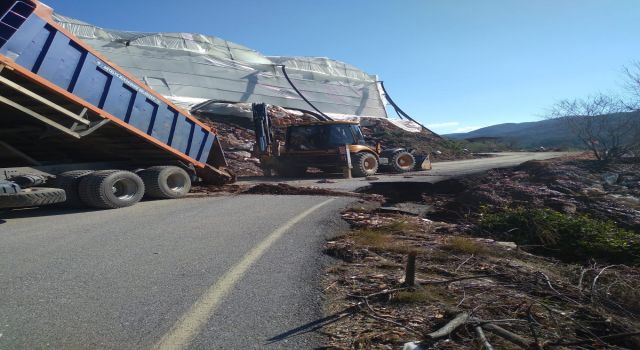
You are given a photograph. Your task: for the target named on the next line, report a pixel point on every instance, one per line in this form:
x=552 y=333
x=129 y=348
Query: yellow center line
x=190 y=324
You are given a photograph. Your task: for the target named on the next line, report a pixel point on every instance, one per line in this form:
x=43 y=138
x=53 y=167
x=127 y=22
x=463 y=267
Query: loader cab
x=322 y=137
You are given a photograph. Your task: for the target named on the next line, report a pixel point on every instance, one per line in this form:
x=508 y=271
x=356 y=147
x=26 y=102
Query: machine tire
x=69 y=181
x=402 y=162
x=32 y=197
x=364 y=164
x=165 y=182
x=111 y=189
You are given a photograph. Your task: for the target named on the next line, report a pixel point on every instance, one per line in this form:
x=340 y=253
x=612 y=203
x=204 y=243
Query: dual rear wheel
x=110 y=189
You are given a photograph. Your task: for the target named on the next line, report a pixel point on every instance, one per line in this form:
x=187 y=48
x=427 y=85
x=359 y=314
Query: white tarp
x=194 y=67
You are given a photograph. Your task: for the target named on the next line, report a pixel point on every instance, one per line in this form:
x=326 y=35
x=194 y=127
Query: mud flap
x=216 y=176
x=216 y=156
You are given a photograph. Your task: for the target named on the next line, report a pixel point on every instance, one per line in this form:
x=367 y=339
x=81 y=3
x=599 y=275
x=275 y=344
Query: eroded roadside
x=277 y=189
x=495 y=252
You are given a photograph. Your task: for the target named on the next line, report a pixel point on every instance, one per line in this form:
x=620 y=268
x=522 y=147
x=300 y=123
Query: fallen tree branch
x=483 y=339
x=462 y=279
x=376 y=316
x=451 y=326
x=503 y=333
x=532 y=327
x=477 y=321
x=570 y=319
x=555 y=290
x=595 y=281
x=378 y=294
x=589 y=341
x=389 y=291
x=464 y=262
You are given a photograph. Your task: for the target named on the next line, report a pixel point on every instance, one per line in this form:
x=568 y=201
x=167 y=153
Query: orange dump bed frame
x=96 y=111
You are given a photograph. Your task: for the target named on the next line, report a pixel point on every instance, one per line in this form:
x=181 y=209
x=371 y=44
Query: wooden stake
x=410 y=271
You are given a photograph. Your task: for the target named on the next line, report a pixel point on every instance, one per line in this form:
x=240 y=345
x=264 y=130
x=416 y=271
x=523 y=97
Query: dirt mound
x=462 y=270
x=238 y=138
x=425 y=142
x=603 y=191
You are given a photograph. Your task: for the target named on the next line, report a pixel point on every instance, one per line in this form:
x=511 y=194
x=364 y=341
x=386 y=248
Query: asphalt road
x=237 y=272
x=123 y=279
x=440 y=171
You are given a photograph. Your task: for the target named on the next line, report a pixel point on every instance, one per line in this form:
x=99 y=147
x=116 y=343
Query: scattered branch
x=483 y=340
x=373 y=314
x=462 y=279
x=451 y=326
x=464 y=262
x=590 y=341
x=595 y=280
x=532 y=327
x=507 y=335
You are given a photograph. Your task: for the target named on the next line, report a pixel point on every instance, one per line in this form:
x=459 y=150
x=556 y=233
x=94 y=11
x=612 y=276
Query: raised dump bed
x=65 y=107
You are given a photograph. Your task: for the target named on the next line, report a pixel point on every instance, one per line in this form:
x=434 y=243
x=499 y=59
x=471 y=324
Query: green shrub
x=568 y=237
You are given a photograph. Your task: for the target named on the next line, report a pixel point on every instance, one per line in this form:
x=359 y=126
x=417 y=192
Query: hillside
x=546 y=133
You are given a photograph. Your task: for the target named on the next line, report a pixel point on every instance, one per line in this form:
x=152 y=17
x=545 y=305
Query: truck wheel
x=32 y=197
x=166 y=182
x=111 y=189
x=364 y=164
x=70 y=182
x=402 y=161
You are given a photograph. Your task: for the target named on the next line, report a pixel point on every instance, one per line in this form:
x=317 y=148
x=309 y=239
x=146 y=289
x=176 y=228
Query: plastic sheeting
x=404 y=124
x=191 y=68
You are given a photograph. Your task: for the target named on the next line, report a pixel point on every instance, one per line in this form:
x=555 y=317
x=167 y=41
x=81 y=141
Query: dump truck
x=327 y=145
x=77 y=129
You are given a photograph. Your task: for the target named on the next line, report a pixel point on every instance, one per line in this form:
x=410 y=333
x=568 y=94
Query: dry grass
x=400 y=226
x=380 y=240
x=372 y=238
x=427 y=294
x=465 y=246
x=387 y=237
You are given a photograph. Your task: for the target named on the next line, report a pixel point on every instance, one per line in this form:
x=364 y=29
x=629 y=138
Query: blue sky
x=454 y=65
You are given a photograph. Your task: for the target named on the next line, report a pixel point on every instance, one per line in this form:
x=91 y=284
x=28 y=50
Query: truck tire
x=8 y=187
x=165 y=182
x=364 y=164
x=70 y=182
x=111 y=189
x=402 y=161
x=32 y=197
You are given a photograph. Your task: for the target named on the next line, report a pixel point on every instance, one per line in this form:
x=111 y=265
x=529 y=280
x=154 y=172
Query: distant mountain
x=546 y=133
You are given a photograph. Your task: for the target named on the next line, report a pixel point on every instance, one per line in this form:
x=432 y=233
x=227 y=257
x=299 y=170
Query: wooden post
x=410 y=272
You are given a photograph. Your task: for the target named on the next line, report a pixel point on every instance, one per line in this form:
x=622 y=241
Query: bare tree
x=632 y=82
x=606 y=125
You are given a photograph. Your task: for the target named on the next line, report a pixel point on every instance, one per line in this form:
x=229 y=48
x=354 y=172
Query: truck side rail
x=39 y=49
